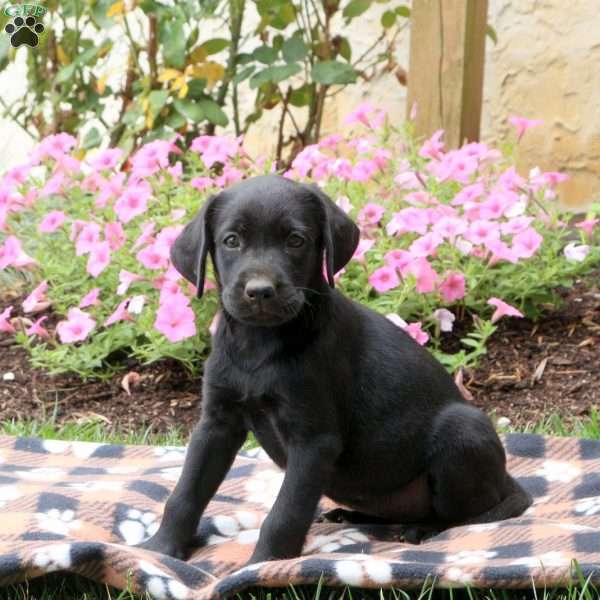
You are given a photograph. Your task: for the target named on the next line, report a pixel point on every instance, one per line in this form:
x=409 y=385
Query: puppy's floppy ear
x=190 y=249
x=340 y=233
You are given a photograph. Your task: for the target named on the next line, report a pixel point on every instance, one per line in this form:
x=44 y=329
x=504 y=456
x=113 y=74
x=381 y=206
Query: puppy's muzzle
x=259 y=289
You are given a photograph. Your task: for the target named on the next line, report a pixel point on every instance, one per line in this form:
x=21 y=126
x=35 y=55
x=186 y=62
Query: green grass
x=71 y=587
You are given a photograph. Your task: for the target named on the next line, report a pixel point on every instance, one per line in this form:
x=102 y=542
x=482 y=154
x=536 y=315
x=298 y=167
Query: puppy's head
x=267 y=237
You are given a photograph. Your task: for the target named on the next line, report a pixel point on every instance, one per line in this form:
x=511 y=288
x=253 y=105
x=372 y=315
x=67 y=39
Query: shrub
x=446 y=235
x=167 y=75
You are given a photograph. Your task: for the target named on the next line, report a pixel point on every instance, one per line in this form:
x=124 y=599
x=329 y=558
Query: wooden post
x=445 y=78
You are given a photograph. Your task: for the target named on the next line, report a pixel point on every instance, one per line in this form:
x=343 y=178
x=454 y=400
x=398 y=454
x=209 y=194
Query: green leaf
x=196 y=89
x=175 y=120
x=65 y=73
x=294 y=49
x=276 y=13
x=277 y=41
x=213 y=112
x=243 y=74
x=355 y=8
x=331 y=72
x=98 y=12
x=265 y=54
x=172 y=41
x=274 y=74
x=345 y=49
x=156 y=100
x=190 y=110
x=388 y=18
x=402 y=11
x=491 y=33
x=301 y=96
x=92 y=139
x=215 y=45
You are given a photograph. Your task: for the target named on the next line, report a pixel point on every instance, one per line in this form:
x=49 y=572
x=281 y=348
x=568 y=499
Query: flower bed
x=446 y=236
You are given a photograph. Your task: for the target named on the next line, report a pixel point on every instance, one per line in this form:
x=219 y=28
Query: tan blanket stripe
x=82 y=507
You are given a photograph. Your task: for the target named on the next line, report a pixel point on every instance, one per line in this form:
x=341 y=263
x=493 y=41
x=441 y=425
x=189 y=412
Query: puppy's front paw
x=170 y=547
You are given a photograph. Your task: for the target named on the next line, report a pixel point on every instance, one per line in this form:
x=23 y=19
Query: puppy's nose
x=259 y=289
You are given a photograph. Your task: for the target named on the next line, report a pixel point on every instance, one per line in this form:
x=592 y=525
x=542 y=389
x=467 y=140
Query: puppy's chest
x=268 y=419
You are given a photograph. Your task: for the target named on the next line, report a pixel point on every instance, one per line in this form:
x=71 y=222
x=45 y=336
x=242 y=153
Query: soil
x=531 y=370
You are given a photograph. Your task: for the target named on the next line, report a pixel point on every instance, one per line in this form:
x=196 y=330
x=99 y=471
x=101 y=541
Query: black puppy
x=338 y=396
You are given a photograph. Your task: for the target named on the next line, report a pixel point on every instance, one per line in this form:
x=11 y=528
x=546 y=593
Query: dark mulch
x=530 y=371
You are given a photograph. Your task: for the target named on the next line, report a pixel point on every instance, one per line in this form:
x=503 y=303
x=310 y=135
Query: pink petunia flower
x=450 y=227
x=76 y=327
x=425 y=274
x=12 y=254
x=153 y=257
x=109 y=189
x=146 y=235
x=175 y=321
x=88 y=238
x=384 y=279
x=119 y=314
x=363 y=170
x=99 y=259
x=108 y=159
x=522 y=124
x=216 y=149
x=37 y=301
x=91 y=298
x=37 y=329
x=416 y=333
x=126 y=278
x=344 y=203
x=364 y=245
x=399 y=260
x=166 y=237
x=453 y=287
x=132 y=203
x=503 y=309
x=371 y=213
x=433 y=147
x=5 y=324
x=201 y=182
x=526 y=243
x=482 y=231
x=52 y=221
x=367 y=114
x=516 y=225
x=445 y=319
x=408 y=220
x=425 y=245
x=115 y=235
x=588 y=226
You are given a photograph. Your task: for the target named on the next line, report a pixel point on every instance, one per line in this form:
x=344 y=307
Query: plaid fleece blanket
x=81 y=507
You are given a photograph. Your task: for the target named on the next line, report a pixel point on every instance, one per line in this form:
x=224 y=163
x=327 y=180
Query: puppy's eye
x=295 y=241
x=232 y=241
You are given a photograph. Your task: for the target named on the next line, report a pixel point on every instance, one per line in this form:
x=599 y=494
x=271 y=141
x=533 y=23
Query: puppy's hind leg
x=467 y=470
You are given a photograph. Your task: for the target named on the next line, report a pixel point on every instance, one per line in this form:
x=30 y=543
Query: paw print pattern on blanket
x=82 y=507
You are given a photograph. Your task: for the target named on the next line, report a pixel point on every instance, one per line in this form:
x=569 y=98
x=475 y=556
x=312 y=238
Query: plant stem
x=23 y=126
x=236 y=10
